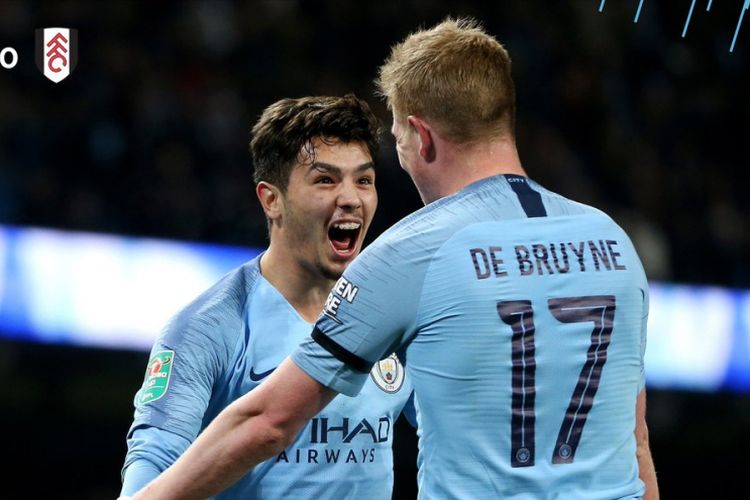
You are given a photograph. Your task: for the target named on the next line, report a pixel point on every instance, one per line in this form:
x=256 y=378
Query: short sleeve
x=369 y=313
x=644 y=335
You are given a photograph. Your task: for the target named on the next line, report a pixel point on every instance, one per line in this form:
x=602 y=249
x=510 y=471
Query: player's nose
x=349 y=196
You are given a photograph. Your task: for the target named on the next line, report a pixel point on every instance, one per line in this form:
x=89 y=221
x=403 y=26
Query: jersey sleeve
x=410 y=411
x=642 y=284
x=644 y=334
x=185 y=361
x=150 y=452
x=370 y=313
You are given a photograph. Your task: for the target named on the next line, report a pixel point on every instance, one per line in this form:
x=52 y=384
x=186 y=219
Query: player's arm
x=255 y=427
x=647 y=472
x=185 y=363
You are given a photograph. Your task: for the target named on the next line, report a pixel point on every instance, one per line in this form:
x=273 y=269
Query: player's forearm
x=259 y=425
x=647 y=472
x=238 y=439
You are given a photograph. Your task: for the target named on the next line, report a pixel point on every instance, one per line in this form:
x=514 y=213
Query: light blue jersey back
x=521 y=319
x=225 y=344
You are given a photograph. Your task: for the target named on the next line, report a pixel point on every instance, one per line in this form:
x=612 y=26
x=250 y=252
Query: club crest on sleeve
x=388 y=374
x=158 y=373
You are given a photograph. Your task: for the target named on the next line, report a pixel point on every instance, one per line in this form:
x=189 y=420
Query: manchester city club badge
x=388 y=374
x=56 y=52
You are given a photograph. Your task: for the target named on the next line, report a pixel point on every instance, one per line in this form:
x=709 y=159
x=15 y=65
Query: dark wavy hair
x=287 y=126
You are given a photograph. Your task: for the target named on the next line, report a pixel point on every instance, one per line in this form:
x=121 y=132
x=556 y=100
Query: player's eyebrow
x=333 y=169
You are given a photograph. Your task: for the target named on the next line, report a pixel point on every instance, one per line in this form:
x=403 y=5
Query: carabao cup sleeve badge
x=156 y=380
x=388 y=374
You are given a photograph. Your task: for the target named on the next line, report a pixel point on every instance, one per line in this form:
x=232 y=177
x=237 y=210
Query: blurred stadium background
x=126 y=189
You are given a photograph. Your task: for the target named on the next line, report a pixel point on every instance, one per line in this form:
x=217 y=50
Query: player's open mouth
x=343 y=237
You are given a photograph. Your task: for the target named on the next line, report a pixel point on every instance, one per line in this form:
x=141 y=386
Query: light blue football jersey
x=225 y=344
x=520 y=316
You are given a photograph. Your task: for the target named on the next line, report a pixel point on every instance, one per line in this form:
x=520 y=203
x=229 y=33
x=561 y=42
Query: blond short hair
x=455 y=75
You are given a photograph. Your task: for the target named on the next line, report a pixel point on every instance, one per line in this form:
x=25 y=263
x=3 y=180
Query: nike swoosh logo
x=256 y=377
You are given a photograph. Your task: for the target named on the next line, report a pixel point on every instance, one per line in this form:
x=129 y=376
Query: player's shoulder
x=218 y=311
x=558 y=205
x=422 y=233
x=434 y=223
x=410 y=242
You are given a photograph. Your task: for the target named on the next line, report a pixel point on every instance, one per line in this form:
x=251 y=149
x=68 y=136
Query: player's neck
x=305 y=290
x=460 y=166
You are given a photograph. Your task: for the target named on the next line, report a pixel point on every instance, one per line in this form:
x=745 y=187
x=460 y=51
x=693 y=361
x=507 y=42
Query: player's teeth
x=347 y=225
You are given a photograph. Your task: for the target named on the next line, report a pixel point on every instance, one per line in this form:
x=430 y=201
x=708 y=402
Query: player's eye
x=367 y=180
x=324 y=180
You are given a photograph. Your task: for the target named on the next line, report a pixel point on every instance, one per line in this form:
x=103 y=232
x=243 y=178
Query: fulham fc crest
x=56 y=52
x=388 y=374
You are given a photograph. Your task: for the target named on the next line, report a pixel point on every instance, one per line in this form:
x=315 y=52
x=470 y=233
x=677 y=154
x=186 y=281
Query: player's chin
x=333 y=270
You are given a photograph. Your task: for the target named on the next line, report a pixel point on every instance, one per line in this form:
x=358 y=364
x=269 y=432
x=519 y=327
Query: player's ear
x=270 y=199
x=426 y=138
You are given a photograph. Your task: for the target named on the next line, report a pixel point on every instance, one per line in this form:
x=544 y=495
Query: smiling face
x=327 y=207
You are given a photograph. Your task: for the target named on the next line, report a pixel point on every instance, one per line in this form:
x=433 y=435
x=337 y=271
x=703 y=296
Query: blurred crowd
x=149 y=135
